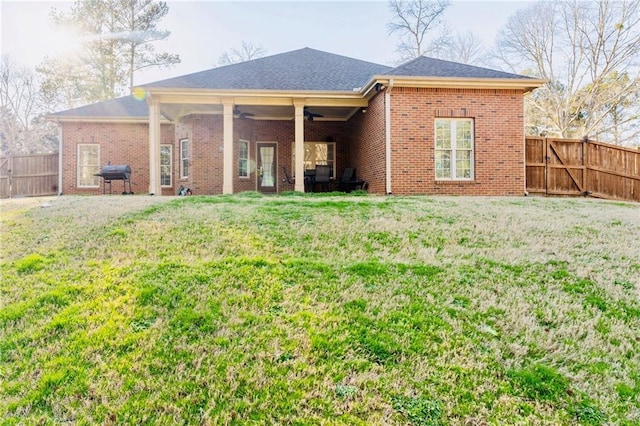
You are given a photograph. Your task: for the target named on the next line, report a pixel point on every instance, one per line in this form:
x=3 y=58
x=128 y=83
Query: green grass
x=329 y=309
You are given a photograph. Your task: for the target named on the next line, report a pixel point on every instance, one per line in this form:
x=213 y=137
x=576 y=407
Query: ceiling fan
x=241 y=115
x=308 y=115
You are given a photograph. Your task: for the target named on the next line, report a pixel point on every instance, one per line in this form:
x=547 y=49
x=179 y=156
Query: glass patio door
x=267 y=167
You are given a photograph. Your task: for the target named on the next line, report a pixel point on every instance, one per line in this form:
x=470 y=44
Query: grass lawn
x=320 y=310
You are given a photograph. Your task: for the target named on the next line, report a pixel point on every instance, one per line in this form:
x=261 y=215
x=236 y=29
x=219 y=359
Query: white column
x=299 y=144
x=227 y=165
x=155 y=186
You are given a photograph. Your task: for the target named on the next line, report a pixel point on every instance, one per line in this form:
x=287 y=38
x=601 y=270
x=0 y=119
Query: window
x=184 y=158
x=165 y=165
x=88 y=165
x=317 y=153
x=243 y=159
x=454 y=149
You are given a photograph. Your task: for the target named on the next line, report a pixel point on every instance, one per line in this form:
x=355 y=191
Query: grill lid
x=115 y=172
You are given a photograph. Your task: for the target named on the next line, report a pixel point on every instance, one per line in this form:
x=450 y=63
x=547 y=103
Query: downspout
x=59 y=157
x=387 y=131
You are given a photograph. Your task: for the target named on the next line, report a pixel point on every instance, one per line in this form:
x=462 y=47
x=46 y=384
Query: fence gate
x=28 y=175
x=566 y=169
x=582 y=167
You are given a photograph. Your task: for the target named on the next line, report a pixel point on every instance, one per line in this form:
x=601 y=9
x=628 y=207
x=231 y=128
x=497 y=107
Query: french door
x=267 y=167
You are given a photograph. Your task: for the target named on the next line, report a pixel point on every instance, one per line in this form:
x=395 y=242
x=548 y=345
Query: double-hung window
x=454 y=149
x=165 y=165
x=184 y=158
x=317 y=153
x=243 y=159
x=88 y=165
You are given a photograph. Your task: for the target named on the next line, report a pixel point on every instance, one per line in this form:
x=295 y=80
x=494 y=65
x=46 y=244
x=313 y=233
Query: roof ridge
x=351 y=58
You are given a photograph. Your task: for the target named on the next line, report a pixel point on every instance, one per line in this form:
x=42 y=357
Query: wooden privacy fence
x=28 y=175
x=582 y=167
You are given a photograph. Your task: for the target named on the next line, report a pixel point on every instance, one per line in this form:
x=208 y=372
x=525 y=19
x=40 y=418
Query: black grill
x=110 y=173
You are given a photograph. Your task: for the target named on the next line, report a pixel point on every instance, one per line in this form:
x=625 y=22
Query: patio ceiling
x=260 y=112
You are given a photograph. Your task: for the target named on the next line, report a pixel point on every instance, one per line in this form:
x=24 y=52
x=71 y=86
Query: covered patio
x=318 y=128
x=301 y=97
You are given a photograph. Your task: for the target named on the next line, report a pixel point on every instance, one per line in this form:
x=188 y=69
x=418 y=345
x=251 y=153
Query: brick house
x=425 y=127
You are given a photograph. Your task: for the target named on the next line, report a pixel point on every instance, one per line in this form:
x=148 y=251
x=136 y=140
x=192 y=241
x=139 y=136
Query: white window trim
x=453 y=161
x=170 y=185
x=248 y=175
x=335 y=154
x=78 y=166
x=182 y=159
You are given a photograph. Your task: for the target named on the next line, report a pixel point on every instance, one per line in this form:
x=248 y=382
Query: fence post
x=9 y=173
x=585 y=164
x=546 y=165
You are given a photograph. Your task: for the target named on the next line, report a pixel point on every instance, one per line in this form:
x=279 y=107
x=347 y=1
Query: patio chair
x=323 y=176
x=287 y=176
x=308 y=180
x=348 y=181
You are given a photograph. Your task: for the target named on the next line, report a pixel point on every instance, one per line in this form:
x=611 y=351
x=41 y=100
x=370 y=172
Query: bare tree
x=246 y=52
x=589 y=52
x=465 y=47
x=23 y=129
x=412 y=20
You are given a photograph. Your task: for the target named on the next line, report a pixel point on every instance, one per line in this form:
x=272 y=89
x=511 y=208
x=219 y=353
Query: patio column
x=155 y=187
x=299 y=144
x=227 y=164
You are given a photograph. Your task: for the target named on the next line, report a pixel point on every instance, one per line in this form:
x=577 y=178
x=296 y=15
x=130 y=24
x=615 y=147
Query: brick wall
x=207 y=154
x=120 y=143
x=360 y=143
x=367 y=145
x=498 y=132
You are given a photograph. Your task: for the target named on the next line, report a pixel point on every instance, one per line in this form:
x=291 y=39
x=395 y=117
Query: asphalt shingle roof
x=431 y=67
x=126 y=106
x=303 y=69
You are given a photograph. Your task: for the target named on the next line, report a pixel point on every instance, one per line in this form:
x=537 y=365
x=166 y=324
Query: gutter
x=101 y=119
x=526 y=84
x=387 y=131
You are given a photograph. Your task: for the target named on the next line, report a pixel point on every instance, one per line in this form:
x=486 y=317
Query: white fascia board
x=525 y=84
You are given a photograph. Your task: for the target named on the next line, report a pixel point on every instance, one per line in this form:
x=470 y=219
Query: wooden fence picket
x=582 y=167
x=28 y=175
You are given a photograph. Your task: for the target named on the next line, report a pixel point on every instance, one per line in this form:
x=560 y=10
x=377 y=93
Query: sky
x=202 y=30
